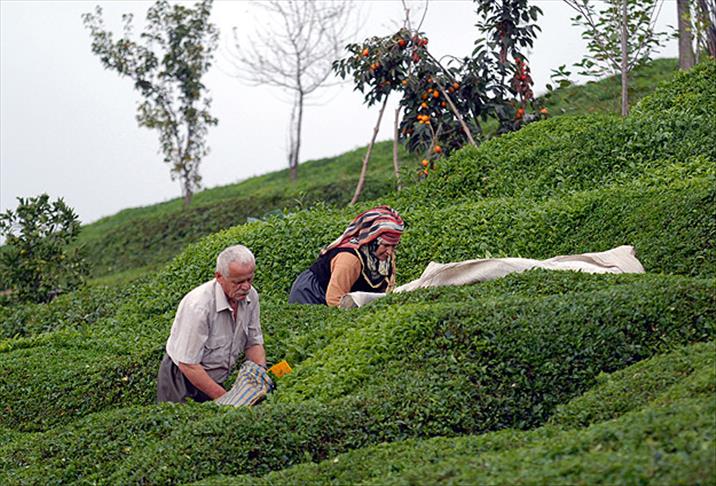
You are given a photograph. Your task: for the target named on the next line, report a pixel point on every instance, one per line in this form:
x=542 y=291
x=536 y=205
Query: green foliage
x=70 y=311
x=160 y=443
x=166 y=67
x=634 y=387
x=37 y=262
x=116 y=359
x=689 y=93
x=565 y=456
x=373 y=388
x=155 y=234
x=603 y=29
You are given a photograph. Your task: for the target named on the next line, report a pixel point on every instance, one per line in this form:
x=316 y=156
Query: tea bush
x=170 y=444
x=686 y=373
x=673 y=125
x=665 y=222
x=689 y=92
x=118 y=368
x=77 y=394
x=68 y=311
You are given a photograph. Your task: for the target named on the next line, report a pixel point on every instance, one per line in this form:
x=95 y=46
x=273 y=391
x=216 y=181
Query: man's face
x=383 y=252
x=237 y=283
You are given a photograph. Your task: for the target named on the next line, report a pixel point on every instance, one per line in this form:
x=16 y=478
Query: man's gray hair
x=237 y=253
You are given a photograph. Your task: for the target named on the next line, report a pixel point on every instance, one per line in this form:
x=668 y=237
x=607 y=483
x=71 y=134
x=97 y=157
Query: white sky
x=68 y=127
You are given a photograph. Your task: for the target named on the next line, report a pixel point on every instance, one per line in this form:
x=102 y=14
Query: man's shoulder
x=253 y=295
x=203 y=294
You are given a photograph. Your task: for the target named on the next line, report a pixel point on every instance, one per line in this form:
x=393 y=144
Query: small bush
x=37 y=261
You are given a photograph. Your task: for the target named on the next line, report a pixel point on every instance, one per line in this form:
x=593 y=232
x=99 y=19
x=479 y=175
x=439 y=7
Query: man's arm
x=256 y=354
x=198 y=377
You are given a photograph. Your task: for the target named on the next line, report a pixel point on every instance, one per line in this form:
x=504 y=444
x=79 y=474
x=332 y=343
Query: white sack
x=617 y=260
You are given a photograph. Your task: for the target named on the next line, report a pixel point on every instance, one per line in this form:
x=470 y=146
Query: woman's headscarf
x=378 y=225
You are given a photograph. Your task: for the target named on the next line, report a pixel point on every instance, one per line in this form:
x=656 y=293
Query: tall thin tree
x=619 y=37
x=686 y=36
x=293 y=50
x=167 y=64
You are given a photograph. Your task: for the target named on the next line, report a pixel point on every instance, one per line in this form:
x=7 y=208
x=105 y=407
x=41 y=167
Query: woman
x=361 y=259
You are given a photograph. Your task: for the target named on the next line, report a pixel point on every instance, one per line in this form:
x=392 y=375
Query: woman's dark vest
x=321 y=268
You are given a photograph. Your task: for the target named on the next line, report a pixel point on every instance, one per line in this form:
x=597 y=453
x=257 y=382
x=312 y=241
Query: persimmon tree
x=167 y=64
x=444 y=104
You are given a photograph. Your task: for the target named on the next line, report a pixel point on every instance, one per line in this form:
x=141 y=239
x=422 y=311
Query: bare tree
x=619 y=37
x=293 y=51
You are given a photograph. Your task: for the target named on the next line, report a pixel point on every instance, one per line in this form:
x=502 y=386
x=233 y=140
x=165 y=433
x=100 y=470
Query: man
x=214 y=323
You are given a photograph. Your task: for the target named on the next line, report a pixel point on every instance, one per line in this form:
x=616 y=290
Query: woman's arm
x=345 y=270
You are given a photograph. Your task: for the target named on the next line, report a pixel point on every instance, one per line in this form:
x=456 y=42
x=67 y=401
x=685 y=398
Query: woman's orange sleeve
x=345 y=270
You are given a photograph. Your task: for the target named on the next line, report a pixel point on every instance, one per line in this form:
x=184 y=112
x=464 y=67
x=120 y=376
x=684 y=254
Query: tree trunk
x=186 y=192
x=708 y=18
x=364 y=168
x=396 y=162
x=686 y=37
x=297 y=140
x=625 y=58
x=458 y=115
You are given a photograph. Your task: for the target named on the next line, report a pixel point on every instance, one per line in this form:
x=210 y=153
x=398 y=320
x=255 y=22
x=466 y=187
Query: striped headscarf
x=381 y=222
x=369 y=229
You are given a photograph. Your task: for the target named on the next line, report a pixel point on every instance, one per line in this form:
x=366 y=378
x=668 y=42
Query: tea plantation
x=536 y=378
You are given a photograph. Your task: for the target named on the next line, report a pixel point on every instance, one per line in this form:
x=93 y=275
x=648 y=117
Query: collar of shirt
x=222 y=303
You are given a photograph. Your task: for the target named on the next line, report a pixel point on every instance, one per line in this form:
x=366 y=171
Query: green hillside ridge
x=625 y=409
x=150 y=236
x=501 y=381
x=141 y=239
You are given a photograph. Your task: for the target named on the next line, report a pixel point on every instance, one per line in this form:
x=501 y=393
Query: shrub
x=117 y=365
x=689 y=92
x=73 y=310
x=37 y=261
x=512 y=454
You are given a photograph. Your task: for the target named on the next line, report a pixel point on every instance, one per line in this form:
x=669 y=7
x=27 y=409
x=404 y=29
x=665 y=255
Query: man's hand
x=198 y=377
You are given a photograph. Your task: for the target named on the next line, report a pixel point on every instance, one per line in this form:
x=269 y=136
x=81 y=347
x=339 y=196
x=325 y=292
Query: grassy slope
x=123 y=246
x=150 y=236
x=604 y=96
x=443 y=362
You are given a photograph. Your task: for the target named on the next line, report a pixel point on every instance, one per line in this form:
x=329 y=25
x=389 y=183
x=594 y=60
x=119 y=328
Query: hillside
x=540 y=377
x=140 y=239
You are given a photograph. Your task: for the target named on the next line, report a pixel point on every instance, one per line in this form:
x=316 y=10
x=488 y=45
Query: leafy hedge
x=666 y=223
x=689 y=92
x=175 y=444
x=83 y=307
x=77 y=399
x=673 y=386
x=116 y=366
